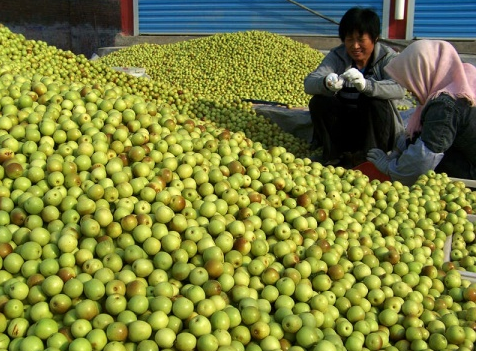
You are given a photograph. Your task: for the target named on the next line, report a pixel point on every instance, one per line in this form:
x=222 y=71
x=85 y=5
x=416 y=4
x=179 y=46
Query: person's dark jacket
x=445 y=144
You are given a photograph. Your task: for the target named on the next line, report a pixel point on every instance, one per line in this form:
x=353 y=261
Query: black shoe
x=334 y=162
x=316 y=158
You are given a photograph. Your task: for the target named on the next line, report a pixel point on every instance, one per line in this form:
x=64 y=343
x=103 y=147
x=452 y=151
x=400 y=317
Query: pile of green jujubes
x=128 y=223
x=248 y=65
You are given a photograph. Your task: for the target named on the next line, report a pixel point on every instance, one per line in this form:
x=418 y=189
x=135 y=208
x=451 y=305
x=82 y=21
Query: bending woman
x=441 y=132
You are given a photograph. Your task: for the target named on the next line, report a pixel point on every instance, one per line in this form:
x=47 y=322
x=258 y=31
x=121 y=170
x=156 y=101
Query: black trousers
x=341 y=128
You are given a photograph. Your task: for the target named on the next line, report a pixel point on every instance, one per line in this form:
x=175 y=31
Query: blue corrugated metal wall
x=444 y=19
x=212 y=16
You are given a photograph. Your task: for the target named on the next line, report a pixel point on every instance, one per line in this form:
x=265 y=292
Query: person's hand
x=399 y=147
x=356 y=78
x=401 y=142
x=333 y=82
x=380 y=159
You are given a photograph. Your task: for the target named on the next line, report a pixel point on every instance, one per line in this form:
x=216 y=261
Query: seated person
x=354 y=103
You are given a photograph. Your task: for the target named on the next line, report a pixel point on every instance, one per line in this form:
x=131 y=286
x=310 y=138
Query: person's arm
x=438 y=133
x=417 y=159
x=315 y=82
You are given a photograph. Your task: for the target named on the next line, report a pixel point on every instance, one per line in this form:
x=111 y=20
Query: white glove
x=356 y=78
x=333 y=82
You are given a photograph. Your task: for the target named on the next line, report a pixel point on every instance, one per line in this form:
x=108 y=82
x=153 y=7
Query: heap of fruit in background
x=249 y=65
x=129 y=220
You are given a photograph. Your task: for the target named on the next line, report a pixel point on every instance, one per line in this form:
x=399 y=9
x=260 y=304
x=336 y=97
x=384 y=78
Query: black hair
x=362 y=20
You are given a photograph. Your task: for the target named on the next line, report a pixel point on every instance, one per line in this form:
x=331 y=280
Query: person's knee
x=321 y=103
x=374 y=105
x=314 y=102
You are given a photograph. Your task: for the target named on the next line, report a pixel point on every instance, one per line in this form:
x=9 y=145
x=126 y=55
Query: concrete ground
x=466 y=49
x=468 y=58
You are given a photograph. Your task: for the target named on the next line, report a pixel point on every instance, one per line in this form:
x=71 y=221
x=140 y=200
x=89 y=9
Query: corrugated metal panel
x=161 y=17
x=444 y=19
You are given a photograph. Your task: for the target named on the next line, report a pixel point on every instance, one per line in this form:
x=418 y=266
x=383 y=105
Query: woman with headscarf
x=440 y=134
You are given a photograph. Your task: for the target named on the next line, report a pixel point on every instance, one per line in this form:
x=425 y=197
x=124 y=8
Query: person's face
x=359 y=47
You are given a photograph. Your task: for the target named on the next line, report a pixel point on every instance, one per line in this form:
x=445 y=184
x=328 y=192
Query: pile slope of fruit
x=248 y=65
x=128 y=224
x=29 y=56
